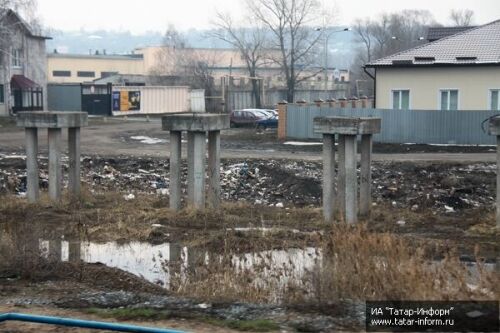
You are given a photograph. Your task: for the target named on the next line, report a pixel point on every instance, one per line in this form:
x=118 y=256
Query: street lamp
x=325 y=69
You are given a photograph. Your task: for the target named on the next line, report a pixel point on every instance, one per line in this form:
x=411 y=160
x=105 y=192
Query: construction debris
x=438 y=188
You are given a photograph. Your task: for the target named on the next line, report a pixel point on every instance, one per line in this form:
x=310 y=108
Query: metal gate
x=96 y=99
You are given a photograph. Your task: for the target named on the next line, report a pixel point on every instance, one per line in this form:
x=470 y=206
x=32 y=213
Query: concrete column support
x=55 y=170
x=498 y=182
x=32 y=182
x=190 y=166
x=198 y=165
x=175 y=169
x=351 y=180
x=347 y=128
x=74 y=160
x=54 y=122
x=214 y=189
x=74 y=251
x=365 y=194
x=340 y=203
x=328 y=175
x=196 y=125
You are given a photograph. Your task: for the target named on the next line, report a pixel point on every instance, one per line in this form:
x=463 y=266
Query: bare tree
x=176 y=58
x=387 y=34
x=462 y=17
x=289 y=23
x=249 y=42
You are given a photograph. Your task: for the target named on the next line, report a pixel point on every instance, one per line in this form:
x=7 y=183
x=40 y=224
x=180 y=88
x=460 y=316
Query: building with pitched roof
x=457 y=72
x=23 y=74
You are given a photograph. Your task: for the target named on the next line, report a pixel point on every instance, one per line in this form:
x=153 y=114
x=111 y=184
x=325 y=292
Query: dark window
x=85 y=74
x=2 y=98
x=61 y=73
x=107 y=74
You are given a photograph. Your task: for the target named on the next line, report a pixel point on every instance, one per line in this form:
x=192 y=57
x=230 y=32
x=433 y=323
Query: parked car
x=252 y=118
x=267 y=111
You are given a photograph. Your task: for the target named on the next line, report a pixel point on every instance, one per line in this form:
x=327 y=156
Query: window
x=16 y=57
x=400 y=99
x=495 y=99
x=107 y=74
x=2 y=94
x=449 y=99
x=85 y=74
x=61 y=73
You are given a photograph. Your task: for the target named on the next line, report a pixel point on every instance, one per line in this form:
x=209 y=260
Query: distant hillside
x=341 y=45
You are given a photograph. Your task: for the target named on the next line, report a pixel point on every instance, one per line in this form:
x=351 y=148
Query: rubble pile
x=440 y=188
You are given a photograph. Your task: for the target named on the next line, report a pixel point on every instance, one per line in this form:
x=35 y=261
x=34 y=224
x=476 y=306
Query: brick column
x=282 y=119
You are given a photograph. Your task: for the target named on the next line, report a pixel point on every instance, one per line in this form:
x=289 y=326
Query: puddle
x=156 y=263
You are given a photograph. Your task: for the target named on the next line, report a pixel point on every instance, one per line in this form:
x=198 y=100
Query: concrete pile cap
x=52 y=119
x=494 y=127
x=195 y=122
x=347 y=125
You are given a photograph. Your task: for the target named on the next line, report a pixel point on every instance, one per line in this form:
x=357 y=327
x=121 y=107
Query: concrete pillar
x=197 y=187
x=55 y=250
x=175 y=169
x=340 y=203
x=190 y=175
x=32 y=164
x=214 y=189
x=366 y=175
x=328 y=175
x=74 y=251
x=55 y=172
x=498 y=181
x=351 y=181
x=74 y=160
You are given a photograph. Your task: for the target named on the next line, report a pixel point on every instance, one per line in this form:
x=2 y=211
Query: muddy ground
x=114 y=137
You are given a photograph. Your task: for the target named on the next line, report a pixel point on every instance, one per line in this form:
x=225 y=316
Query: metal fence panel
x=401 y=126
x=64 y=97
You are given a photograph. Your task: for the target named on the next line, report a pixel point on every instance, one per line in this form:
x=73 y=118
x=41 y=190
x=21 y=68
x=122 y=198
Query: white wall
x=473 y=83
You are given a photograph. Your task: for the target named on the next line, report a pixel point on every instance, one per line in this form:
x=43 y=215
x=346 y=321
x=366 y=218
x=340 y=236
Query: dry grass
x=355 y=264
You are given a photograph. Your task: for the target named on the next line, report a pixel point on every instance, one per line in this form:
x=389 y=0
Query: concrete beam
x=196 y=122
x=51 y=119
x=347 y=125
x=55 y=168
x=32 y=181
x=175 y=169
x=365 y=196
x=328 y=176
x=214 y=188
x=351 y=180
x=74 y=160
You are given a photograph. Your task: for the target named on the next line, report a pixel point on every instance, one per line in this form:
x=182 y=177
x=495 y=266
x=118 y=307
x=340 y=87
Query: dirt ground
x=113 y=137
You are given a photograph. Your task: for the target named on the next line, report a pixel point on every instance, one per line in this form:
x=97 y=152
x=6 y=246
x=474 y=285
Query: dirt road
x=139 y=138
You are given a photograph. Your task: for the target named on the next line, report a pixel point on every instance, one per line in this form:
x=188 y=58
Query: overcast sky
x=143 y=15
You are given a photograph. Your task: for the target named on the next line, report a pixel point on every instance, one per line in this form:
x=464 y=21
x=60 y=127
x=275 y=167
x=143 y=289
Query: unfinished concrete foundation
x=343 y=200
x=54 y=122
x=494 y=129
x=197 y=125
